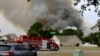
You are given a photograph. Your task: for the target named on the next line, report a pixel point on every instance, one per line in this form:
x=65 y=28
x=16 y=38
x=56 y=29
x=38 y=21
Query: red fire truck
x=39 y=42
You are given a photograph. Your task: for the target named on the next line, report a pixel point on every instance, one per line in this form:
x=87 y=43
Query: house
x=71 y=40
x=9 y=37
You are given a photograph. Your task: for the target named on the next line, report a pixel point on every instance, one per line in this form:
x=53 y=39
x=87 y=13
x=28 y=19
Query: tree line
x=37 y=29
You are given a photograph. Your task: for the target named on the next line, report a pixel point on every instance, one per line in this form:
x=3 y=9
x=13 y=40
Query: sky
x=90 y=18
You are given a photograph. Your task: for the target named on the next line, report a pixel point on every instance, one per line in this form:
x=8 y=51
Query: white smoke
x=55 y=14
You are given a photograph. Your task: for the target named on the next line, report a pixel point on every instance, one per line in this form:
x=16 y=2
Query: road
x=64 y=52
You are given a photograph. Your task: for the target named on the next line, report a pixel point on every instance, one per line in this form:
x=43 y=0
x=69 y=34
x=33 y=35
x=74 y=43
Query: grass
x=72 y=49
x=69 y=54
x=57 y=54
x=82 y=48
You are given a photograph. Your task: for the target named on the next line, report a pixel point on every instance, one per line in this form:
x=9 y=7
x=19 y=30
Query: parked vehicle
x=40 y=42
x=16 y=49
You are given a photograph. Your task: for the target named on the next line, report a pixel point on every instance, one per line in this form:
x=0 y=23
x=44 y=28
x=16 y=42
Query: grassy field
x=68 y=51
x=82 y=48
x=68 y=54
x=57 y=54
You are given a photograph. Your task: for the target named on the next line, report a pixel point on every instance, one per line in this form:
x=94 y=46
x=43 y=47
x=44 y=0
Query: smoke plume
x=55 y=14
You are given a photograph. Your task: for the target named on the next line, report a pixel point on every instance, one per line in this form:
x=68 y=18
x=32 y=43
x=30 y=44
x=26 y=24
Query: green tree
x=69 y=32
x=86 y=39
x=90 y=38
x=38 y=30
x=35 y=29
x=93 y=38
x=80 y=34
x=36 y=26
x=97 y=38
x=49 y=33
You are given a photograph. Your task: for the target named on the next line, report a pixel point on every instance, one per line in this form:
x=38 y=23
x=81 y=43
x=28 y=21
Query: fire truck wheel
x=51 y=48
x=35 y=54
x=36 y=48
x=56 y=49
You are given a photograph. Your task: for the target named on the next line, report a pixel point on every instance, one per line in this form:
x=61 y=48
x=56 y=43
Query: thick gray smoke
x=55 y=14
